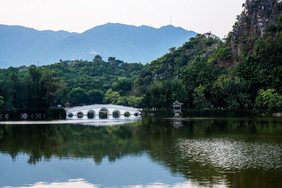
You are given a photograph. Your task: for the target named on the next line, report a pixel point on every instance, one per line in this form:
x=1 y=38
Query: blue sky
x=201 y=16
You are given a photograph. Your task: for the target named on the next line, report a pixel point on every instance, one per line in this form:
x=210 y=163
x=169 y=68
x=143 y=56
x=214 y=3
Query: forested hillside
x=76 y=82
x=241 y=72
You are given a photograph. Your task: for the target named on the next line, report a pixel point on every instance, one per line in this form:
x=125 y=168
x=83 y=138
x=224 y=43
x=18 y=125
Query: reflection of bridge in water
x=103 y=111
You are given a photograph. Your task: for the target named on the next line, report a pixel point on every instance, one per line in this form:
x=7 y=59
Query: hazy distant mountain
x=25 y=46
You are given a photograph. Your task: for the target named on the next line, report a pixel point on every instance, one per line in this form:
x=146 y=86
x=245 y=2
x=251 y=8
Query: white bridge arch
x=102 y=111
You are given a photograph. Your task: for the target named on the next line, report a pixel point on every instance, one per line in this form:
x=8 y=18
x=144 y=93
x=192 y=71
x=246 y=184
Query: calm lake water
x=151 y=153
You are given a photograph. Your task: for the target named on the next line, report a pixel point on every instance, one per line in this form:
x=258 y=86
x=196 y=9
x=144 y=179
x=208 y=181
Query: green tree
x=11 y=93
x=199 y=73
x=223 y=52
x=111 y=97
x=268 y=99
x=179 y=92
x=61 y=94
x=94 y=97
x=1 y=102
x=230 y=91
x=158 y=94
x=49 y=90
x=123 y=85
x=111 y=59
x=97 y=59
x=33 y=93
x=209 y=41
x=172 y=49
x=199 y=98
x=163 y=93
x=136 y=101
x=77 y=96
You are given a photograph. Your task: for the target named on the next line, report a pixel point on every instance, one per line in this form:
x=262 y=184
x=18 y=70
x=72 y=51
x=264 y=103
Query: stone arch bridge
x=103 y=111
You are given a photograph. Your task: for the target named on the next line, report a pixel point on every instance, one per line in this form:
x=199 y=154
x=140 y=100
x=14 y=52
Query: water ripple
x=231 y=154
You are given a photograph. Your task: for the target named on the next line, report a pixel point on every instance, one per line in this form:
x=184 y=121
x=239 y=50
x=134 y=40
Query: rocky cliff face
x=254 y=22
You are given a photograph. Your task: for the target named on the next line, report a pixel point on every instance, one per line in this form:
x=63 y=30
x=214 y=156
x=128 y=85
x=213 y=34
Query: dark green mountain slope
x=256 y=43
x=241 y=73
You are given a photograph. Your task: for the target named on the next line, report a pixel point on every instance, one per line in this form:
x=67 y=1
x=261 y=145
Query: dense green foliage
x=75 y=82
x=216 y=76
x=164 y=93
x=1 y=101
x=193 y=65
x=243 y=72
x=191 y=74
x=31 y=90
x=268 y=99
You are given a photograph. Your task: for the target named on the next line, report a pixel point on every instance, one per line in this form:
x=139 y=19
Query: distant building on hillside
x=210 y=35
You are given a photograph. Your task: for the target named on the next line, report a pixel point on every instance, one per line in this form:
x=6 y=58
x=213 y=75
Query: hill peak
x=116 y=25
x=24 y=46
x=256 y=20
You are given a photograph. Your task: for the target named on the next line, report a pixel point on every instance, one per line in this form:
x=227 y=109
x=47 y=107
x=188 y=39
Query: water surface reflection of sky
x=147 y=153
x=81 y=183
x=131 y=171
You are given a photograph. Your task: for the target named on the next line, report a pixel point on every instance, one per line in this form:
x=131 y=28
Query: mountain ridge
x=25 y=46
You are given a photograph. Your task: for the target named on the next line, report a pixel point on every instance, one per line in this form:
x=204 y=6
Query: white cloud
x=93 y=52
x=81 y=183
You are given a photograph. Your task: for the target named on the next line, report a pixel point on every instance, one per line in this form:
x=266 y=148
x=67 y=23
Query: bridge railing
x=103 y=105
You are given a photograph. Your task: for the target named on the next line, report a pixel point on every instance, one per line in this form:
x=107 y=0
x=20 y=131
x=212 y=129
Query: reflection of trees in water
x=156 y=137
x=208 y=174
x=45 y=141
